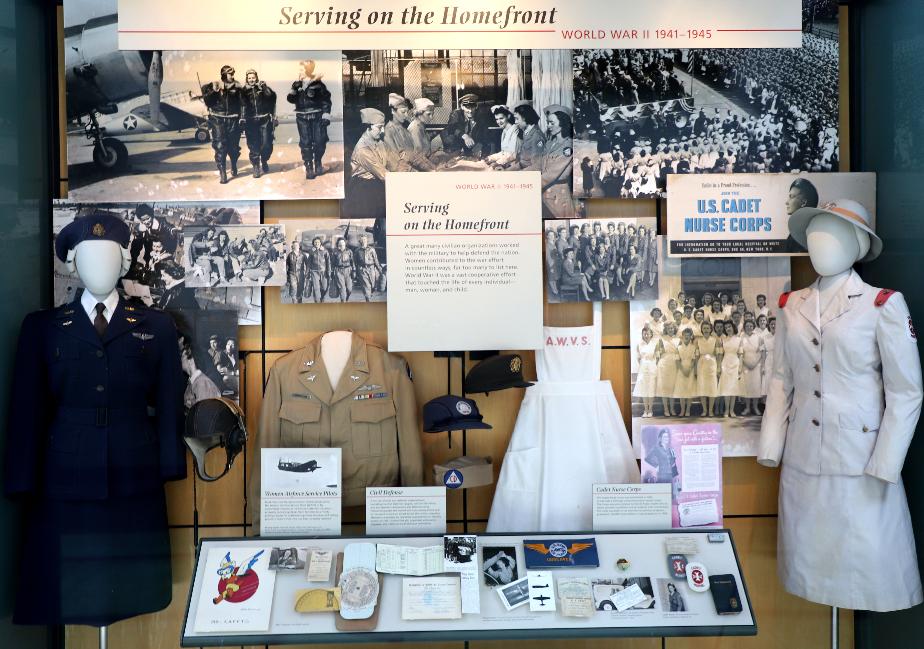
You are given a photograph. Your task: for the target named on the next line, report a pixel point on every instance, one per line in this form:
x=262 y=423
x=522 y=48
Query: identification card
x=575 y=597
x=319 y=566
x=681 y=545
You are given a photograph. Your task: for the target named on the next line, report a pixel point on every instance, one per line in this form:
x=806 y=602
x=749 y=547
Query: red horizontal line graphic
x=760 y=30
x=468 y=234
x=336 y=31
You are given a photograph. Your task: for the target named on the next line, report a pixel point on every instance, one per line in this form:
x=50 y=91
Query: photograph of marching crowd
x=157 y=275
x=704 y=348
x=641 y=115
x=234 y=255
x=201 y=125
x=594 y=260
x=331 y=260
x=457 y=110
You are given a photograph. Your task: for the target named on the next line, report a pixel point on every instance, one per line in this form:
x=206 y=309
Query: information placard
x=396 y=24
x=301 y=491
x=620 y=507
x=464 y=253
x=405 y=510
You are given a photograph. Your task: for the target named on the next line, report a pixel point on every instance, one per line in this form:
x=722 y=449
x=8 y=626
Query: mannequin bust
x=834 y=246
x=335 y=351
x=99 y=264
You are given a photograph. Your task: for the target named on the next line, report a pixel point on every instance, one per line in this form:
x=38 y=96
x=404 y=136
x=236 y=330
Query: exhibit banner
x=464 y=253
x=747 y=215
x=390 y=24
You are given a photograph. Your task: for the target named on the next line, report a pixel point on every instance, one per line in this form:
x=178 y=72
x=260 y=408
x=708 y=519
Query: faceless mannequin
x=335 y=351
x=99 y=265
x=834 y=245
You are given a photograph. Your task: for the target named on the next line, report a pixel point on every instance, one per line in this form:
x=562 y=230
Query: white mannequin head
x=99 y=264
x=834 y=245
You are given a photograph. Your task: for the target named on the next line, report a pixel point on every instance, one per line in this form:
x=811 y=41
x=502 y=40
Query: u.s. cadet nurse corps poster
x=747 y=215
x=463 y=252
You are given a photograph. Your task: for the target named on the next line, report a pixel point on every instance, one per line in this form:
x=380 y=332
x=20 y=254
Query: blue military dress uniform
x=94 y=432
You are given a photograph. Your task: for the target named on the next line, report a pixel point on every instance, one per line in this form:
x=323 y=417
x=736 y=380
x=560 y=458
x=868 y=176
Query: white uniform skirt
x=847 y=541
x=567 y=437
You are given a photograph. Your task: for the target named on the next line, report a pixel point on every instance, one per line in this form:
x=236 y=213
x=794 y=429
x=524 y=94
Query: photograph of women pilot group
x=703 y=350
x=464 y=110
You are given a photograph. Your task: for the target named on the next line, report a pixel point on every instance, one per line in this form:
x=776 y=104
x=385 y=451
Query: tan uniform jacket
x=371 y=415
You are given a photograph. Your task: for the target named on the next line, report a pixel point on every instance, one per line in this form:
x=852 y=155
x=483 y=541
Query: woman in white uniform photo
x=707 y=379
x=569 y=435
x=668 y=359
x=646 y=383
x=769 y=342
x=752 y=361
x=731 y=368
x=685 y=381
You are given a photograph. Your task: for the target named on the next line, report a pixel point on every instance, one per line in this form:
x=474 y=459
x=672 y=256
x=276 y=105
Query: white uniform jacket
x=845 y=393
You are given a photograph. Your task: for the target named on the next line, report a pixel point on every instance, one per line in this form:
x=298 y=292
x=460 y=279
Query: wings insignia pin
x=312 y=377
x=561 y=553
x=67 y=323
x=142 y=336
x=354 y=377
x=131 y=320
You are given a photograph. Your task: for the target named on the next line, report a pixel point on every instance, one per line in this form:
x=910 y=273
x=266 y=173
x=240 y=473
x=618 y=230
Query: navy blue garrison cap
x=94 y=227
x=450 y=412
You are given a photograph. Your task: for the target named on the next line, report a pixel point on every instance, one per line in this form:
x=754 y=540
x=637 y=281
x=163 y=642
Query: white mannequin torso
x=335 y=352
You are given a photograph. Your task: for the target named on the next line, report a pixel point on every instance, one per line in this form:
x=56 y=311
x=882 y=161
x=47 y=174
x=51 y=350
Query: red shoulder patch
x=883 y=296
x=784 y=297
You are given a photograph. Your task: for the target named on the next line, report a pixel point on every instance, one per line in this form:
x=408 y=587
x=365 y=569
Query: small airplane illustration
x=298 y=467
x=542 y=599
x=541 y=586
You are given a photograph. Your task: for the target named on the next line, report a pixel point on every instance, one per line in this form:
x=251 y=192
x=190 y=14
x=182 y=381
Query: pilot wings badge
x=561 y=553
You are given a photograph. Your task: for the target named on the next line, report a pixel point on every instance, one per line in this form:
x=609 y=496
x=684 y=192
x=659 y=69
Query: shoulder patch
x=784 y=297
x=883 y=296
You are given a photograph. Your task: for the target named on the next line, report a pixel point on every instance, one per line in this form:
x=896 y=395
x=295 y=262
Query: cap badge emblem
x=98 y=230
x=515 y=364
x=463 y=408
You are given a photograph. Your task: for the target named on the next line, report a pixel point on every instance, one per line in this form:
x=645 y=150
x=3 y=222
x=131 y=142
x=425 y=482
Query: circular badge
x=697 y=577
x=463 y=408
x=359 y=588
x=558 y=550
x=452 y=479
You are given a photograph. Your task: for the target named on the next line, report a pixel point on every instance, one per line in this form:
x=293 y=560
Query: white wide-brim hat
x=845 y=209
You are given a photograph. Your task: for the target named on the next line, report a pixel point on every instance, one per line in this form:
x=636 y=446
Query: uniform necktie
x=100 y=323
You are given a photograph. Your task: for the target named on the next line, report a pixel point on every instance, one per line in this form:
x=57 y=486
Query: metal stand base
x=834 y=627
x=103 y=637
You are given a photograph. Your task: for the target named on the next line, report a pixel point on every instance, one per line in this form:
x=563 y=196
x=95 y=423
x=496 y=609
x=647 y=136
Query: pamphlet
x=459 y=555
x=301 y=491
x=237 y=591
x=575 y=597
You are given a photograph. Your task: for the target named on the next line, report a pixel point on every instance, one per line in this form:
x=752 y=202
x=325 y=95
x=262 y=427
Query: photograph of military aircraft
x=298 y=467
x=201 y=125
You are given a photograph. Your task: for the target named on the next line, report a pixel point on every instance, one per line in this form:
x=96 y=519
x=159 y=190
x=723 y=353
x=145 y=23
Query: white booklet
x=237 y=591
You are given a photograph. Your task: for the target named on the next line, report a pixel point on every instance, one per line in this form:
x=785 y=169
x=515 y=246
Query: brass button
x=866 y=429
x=816 y=422
x=818 y=394
x=99 y=353
x=814 y=341
x=817 y=367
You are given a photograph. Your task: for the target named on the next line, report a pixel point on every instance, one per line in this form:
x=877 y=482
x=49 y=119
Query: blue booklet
x=561 y=553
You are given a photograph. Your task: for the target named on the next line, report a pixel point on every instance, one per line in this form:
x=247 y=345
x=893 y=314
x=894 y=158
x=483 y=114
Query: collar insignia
x=66 y=323
x=354 y=377
x=312 y=377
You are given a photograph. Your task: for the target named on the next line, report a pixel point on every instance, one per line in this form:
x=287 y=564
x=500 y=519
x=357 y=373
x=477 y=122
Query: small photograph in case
x=724 y=591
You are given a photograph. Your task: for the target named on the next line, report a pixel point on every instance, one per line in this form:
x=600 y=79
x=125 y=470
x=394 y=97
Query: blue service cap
x=94 y=227
x=450 y=412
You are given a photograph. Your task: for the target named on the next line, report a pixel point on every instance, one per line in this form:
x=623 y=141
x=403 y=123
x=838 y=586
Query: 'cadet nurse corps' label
x=561 y=553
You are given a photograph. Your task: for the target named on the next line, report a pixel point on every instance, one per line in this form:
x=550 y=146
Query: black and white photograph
x=671 y=595
x=199 y=125
x=499 y=565
x=643 y=114
x=301 y=468
x=335 y=260
x=208 y=354
x=460 y=549
x=457 y=110
x=288 y=558
x=247 y=302
x=703 y=350
x=156 y=247
x=604 y=591
x=601 y=260
x=234 y=255
x=514 y=594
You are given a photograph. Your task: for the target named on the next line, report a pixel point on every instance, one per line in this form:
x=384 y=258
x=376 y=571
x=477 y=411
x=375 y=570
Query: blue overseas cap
x=450 y=412
x=94 y=227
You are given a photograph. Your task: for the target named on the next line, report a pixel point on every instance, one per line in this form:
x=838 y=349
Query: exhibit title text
x=509 y=18
x=728 y=223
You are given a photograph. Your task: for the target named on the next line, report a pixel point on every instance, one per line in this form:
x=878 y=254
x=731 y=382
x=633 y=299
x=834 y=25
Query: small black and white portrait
x=288 y=558
x=499 y=565
x=671 y=597
x=460 y=549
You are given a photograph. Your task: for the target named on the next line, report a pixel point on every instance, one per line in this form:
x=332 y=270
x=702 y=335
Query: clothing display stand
x=103 y=637
x=834 y=627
